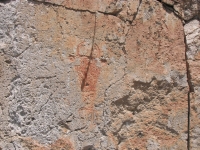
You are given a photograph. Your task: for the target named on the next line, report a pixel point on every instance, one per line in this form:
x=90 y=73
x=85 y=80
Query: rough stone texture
x=192 y=31
x=186 y=9
x=154 y=112
x=125 y=9
x=91 y=74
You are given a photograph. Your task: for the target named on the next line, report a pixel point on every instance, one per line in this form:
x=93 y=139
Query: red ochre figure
x=88 y=73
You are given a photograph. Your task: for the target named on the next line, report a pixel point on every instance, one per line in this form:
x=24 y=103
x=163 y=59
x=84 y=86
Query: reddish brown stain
x=60 y=144
x=88 y=73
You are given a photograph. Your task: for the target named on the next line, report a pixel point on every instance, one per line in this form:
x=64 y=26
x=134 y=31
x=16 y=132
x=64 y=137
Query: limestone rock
x=169 y=2
x=186 y=9
x=192 y=31
x=97 y=74
x=155 y=69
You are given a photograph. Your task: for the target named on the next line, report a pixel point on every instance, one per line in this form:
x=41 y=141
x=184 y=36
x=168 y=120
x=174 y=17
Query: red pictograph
x=88 y=73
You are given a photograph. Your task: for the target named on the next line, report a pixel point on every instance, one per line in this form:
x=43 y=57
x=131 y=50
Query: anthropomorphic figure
x=88 y=72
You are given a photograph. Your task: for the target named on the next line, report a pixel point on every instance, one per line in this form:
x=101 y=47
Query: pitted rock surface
x=99 y=75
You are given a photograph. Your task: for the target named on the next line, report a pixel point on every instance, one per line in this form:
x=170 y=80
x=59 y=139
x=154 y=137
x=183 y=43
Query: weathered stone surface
x=169 y=2
x=91 y=74
x=192 y=31
x=154 y=112
x=124 y=9
x=186 y=9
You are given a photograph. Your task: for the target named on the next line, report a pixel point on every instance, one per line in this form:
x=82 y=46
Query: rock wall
x=99 y=75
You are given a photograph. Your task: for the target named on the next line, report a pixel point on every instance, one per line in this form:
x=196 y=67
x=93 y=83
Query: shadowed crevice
x=5 y=1
x=89 y=147
x=191 y=89
x=84 y=81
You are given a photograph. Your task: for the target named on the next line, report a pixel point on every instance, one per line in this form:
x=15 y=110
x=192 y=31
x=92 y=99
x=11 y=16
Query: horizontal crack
x=58 y=5
x=73 y=9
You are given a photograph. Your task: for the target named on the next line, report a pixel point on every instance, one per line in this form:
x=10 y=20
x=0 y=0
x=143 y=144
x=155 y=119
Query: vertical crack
x=191 y=89
x=90 y=57
x=135 y=15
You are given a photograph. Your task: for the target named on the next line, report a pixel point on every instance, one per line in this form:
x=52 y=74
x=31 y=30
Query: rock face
x=185 y=9
x=192 y=31
x=99 y=75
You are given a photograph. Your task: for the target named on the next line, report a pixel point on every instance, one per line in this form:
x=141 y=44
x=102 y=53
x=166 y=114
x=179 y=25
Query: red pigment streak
x=88 y=73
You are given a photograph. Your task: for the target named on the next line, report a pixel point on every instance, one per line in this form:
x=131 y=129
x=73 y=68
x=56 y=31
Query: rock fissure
x=57 y=5
x=106 y=90
x=171 y=8
x=73 y=9
x=111 y=74
x=83 y=84
x=135 y=15
x=191 y=90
